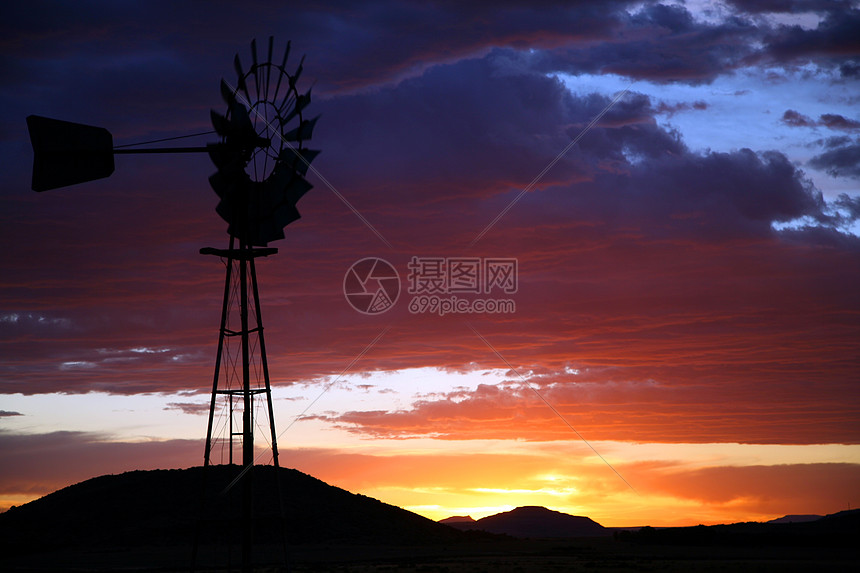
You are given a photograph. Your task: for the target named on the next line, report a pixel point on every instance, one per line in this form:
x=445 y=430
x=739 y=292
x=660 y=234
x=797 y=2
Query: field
x=511 y=556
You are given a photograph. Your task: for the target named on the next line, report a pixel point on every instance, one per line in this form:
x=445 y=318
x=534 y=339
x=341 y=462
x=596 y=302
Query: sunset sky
x=685 y=344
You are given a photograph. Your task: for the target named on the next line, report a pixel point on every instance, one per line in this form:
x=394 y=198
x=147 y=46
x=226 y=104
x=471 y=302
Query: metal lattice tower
x=241 y=382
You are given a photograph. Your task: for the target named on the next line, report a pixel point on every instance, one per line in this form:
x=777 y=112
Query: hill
x=532 y=522
x=146 y=521
x=457 y=519
x=163 y=508
x=795 y=518
x=836 y=530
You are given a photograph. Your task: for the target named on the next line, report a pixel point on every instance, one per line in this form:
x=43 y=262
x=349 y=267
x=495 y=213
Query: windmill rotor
x=262 y=159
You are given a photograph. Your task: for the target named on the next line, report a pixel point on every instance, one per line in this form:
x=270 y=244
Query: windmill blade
x=295 y=77
x=279 y=178
x=302 y=102
x=67 y=153
x=239 y=118
x=280 y=75
x=227 y=93
x=302 y=132
x=220 y=123
x=297 y=189
x=285 y=215
x=238 y=129
x=308 y=155
x=254 y=67
x=227 y=158
x=269 y=67
x=221 y=184
x=298 y=159
x=237 y=65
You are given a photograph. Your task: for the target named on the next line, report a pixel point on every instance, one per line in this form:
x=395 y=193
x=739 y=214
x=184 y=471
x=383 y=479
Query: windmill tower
x=261 y=163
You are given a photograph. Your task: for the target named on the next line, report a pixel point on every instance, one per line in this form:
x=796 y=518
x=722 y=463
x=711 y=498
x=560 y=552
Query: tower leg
x=274 y=435
x=240 y=292
x=247 y=420
x=222 y=332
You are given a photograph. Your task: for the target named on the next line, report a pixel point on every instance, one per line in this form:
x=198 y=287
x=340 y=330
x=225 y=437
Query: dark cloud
x=662 y=44
x=790 y=6
x=849 y=204
x=830 y=120
x=850 y=69
x=832 y=142
x=714 y=195
x=430 y=161
x=65 y=458
x=796 y=119
x=642 y=260
x=840 y=160
x=836 y=121
x=198 y=408
x=833 y=42
x=6 y=414
x=672 y=109
x=665 y=44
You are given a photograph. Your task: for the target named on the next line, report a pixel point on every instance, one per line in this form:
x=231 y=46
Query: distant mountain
x=533 y=522
x=838 y=530
x=163 y=508
x=457 y=519
x=795 y=519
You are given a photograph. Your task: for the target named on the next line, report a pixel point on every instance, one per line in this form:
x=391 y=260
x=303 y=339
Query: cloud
x=640 y=260
x=662 y=44
x=849 y=204
x=836 y=121
x=655 y=269
x=833 y=38
x=492 y=150
x=65 y=458
x=189 y=407
x=796 y=119
x=566 y=478
x=755 y=488
x=7 y=413
x=640 y=411
x=790 y=6
x=793 y=118
x=672 y=109
x=840 y=160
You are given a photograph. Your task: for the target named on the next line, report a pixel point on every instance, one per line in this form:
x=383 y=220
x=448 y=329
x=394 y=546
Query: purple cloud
x=840 y=160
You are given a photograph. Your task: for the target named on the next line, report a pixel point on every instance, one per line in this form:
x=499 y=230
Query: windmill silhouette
x=261 y=162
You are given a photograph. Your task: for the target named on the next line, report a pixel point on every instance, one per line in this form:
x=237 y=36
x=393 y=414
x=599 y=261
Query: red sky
x=688 y=271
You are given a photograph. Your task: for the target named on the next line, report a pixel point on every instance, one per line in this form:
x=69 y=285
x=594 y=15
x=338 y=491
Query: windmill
x=261 y=161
